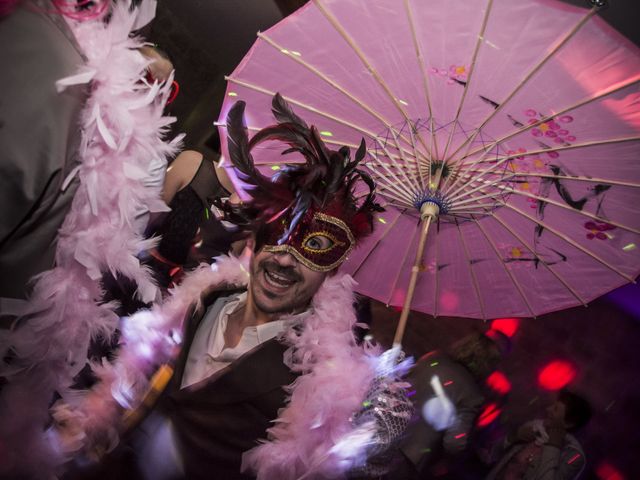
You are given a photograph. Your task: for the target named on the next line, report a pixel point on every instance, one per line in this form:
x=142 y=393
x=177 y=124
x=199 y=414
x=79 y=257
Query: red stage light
x=499 y=382
x=488 y=415
x=508 y=326
x=556 y=375
x=606 y=471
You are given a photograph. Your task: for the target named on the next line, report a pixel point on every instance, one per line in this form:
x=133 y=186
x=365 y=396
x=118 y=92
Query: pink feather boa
x=90 y=421
x=336 y=374
x=122 y=131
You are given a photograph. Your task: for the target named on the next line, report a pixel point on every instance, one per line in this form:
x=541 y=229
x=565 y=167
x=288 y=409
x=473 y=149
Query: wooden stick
x=567 y=240
x=569 y=177
x=558 y=149
x=565 y=207
x=528 y=247
x=507 y=270
x=380 y=238
x=425 y=83
x=429 y=212
x=476 y=285
x=338 y=87
x=394 y=284
x=472 y=65
x=528 y=76
x=363 y=58
x=487 y=149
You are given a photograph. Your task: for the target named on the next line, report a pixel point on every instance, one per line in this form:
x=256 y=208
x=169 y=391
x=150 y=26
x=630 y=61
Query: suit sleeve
x=456 y=438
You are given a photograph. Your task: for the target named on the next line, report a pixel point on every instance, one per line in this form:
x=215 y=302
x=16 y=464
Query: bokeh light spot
x=499 y=382
x=556 y=375
x=606 y=471
x=508 y=326
x=489 y=414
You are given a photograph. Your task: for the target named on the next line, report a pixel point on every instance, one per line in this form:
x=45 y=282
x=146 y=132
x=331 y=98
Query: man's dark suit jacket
x=215 y=421
x=223 y=416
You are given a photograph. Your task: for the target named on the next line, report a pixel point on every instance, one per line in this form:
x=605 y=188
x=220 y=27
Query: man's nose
x=285 y=259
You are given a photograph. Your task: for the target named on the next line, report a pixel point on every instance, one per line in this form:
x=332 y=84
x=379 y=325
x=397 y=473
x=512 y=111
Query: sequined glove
x=387 y=411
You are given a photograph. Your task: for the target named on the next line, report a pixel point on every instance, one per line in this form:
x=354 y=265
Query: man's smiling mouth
x=277 y=280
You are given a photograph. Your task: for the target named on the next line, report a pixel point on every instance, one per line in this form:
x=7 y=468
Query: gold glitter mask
x=321 y=244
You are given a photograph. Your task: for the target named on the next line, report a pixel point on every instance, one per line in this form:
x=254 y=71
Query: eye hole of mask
x=318 y=243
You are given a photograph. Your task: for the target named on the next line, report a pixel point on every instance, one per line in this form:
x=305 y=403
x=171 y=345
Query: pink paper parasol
x=504 y=137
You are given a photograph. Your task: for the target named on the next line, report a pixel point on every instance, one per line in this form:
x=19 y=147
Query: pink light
x=508 y=326
x=449 y=300
x=606 y=471
x=556 y=375
x=460 y=435
x=488 y=415
x=498 y=382
x=573 y=459
x=397 y=299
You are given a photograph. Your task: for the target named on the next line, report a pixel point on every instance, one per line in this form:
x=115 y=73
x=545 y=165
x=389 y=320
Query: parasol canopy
x=504 y=138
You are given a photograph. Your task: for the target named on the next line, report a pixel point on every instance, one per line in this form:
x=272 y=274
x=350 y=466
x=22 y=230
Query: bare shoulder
x=180 y=173
x=224 y=179
x=187 y=159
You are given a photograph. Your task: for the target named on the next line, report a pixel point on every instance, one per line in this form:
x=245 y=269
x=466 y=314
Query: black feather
x=326 y=179
x=283 y=113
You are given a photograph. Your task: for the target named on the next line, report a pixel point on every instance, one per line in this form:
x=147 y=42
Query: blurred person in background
x=40 y=135
x=447 y=398
x=545 y=449
x=191 y=232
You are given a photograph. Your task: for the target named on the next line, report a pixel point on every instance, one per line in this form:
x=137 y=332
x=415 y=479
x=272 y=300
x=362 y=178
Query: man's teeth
x=278 y=280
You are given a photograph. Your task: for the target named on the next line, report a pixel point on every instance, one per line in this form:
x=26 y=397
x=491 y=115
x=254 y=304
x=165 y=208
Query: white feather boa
x=122 y=134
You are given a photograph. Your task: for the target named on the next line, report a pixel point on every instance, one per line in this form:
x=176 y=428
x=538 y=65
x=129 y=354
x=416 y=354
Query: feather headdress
x=324 y=183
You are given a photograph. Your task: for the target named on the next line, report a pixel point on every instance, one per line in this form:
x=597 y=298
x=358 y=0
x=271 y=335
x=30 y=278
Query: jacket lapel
x=193 y=319
x=259 y=371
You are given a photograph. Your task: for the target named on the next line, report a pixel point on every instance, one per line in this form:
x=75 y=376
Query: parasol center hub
x=429 y=210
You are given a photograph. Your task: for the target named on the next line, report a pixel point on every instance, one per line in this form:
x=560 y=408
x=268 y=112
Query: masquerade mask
x=320 y=242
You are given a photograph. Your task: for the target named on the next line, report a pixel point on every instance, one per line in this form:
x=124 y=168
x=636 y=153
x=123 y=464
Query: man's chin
x=271 y=307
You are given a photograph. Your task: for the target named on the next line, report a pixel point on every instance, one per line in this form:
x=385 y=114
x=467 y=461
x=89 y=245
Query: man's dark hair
x=578 y=410
x=478 y=353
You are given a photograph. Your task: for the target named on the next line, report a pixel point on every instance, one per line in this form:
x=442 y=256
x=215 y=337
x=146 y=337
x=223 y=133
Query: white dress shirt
x=208 y=354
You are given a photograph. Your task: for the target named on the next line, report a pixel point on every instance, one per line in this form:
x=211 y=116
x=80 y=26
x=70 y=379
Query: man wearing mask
x=269 y=371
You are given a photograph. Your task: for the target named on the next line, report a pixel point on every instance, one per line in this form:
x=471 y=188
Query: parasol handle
x=428 y=212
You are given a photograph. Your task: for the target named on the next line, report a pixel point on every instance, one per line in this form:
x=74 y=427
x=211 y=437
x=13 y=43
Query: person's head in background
x=480 y=353
x=160 y=67
x=570 y=409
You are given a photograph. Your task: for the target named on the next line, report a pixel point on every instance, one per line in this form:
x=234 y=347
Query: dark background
x=206 y=39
